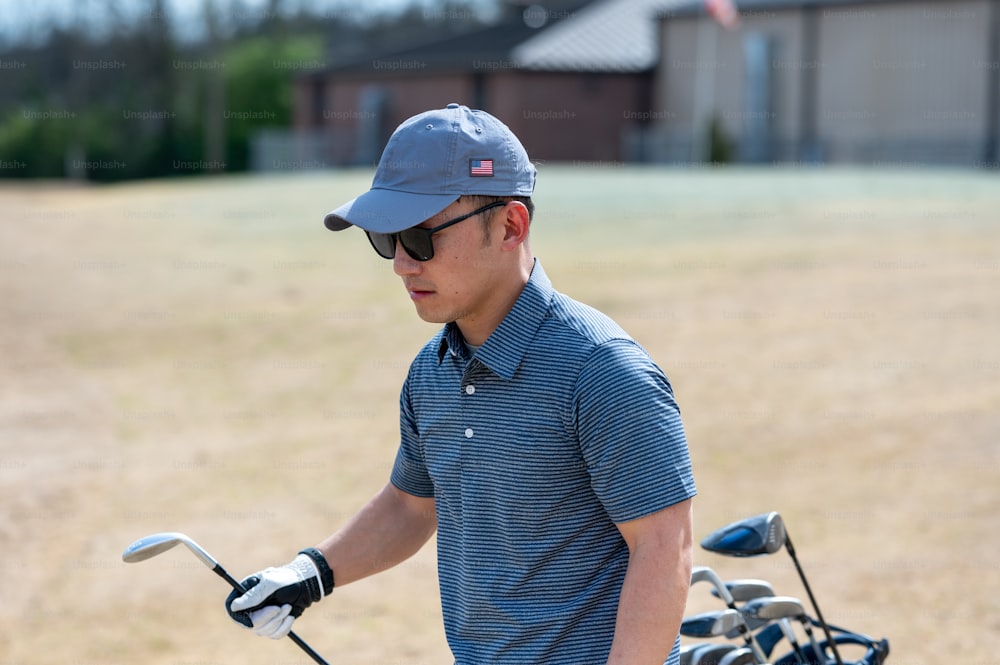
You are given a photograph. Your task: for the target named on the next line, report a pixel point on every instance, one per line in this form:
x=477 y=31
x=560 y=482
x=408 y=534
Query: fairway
x=202 y=356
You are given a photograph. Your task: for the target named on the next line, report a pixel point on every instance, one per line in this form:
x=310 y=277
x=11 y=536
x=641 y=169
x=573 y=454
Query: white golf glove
x=275 y=597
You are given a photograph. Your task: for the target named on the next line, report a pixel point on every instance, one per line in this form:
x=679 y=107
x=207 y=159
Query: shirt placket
x=470 y=379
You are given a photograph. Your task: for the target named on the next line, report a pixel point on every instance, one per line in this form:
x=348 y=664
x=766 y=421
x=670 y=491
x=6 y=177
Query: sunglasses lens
x=383 y=243
x=417 y=243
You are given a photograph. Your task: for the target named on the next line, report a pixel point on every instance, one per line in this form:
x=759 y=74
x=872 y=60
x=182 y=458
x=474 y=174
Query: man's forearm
x=654 y=593
x=386 y=531
x=649 y=612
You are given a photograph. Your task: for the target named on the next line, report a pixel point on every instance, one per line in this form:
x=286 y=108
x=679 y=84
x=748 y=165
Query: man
x=538 y=440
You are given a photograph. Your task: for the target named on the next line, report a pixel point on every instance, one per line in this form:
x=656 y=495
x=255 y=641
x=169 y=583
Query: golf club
x=778 y=613
x=710 y=654
x=807 y=627
x=706 y=574
x=157 y=543
x=687 y=651
x=764 y=534
x=711 y=624
x=742 y=591
x=741 y=656
x=783 y=608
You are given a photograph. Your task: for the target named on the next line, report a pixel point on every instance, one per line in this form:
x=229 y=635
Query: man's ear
x=516 y=225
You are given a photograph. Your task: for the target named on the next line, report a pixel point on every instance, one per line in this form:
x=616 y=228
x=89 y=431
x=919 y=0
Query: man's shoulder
x=588 y=324
x=593 y=342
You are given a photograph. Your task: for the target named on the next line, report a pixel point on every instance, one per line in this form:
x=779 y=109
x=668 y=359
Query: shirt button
x=470 y=389
x=468 y=433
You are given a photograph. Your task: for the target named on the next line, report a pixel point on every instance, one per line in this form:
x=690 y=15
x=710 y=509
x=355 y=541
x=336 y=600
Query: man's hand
x=275 y=597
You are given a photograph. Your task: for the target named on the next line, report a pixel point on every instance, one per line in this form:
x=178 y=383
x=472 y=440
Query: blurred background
x=793 y=205
x=118 y=89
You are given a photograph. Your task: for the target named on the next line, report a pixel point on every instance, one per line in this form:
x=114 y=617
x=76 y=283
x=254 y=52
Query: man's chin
x=431 y=316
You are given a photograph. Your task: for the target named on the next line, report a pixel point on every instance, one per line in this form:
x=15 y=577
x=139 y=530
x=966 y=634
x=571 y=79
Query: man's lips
x=419 y=291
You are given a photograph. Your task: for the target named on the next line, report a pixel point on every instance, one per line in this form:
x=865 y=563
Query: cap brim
x=387 y=210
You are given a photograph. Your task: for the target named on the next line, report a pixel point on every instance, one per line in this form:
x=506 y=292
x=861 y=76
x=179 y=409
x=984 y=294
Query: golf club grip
x=221 y=572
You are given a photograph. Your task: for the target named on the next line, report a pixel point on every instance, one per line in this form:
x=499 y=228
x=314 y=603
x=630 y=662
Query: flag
x=723 y=11
x=481 y=167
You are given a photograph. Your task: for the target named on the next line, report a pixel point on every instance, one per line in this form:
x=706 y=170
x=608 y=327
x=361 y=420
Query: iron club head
x=760 y=534
x=711 y=624
x=775 y=607
x=744 y=590
x=710 y=654
x=741 y=656
x=157 y=543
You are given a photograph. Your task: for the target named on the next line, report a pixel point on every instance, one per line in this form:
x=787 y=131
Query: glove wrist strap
x=325 y=572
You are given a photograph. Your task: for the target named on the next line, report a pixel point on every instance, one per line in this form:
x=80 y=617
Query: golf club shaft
x=807 y=627
x=786 y=628
x=748 y=638
x=221 y=572
x=812 y=599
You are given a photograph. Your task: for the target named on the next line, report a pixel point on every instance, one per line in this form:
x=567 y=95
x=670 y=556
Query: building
x=891 y=82
x=834 y=81
x=572 y=81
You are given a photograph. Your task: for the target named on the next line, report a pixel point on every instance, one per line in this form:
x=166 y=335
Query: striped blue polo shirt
x=559 y=426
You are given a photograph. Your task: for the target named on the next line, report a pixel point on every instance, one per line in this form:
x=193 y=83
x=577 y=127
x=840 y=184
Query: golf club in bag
x=766 y=534
x=157 y=543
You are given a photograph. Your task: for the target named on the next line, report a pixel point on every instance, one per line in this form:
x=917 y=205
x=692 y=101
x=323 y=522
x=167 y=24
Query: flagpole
x=704 y=93
x=727 y=15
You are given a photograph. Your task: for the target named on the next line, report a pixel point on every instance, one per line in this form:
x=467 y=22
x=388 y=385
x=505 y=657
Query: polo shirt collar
x=504 y=349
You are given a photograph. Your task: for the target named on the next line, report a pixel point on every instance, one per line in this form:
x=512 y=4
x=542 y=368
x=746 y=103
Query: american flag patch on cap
x=481 y=167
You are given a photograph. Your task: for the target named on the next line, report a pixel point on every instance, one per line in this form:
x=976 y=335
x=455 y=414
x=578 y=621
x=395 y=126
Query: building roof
x=578 y=36
x=600 y=36
x=485 y=48
x=608 y=35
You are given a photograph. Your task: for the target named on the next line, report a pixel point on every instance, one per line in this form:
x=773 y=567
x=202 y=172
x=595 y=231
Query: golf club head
x=760 y=534
x=711 y=624
x=741 y=656
x=775 y=607
x=710 y=654
x=752 y=624
x=744 y=590
x=157 y=543
x=687 y=651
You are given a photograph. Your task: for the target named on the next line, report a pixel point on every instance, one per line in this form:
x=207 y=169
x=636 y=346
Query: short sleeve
x=409 y=472
x=630 y=432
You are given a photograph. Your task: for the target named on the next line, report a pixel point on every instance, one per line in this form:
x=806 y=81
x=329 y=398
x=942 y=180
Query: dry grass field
x=202 y=356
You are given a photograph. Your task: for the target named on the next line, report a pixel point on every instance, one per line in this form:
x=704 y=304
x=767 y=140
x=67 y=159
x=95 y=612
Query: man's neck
x=477 y=331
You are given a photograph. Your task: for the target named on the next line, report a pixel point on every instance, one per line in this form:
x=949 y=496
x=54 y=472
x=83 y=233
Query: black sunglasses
x=416 y=240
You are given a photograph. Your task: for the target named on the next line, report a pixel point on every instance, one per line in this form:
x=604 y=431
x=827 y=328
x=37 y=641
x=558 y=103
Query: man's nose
x=403 y=263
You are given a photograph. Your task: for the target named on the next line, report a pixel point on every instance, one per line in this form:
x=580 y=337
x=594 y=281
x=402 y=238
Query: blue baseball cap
x=432 y=159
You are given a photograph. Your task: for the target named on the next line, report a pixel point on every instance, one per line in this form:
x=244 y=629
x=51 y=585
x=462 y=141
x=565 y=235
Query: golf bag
x=874 y=651
x=763 y=619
